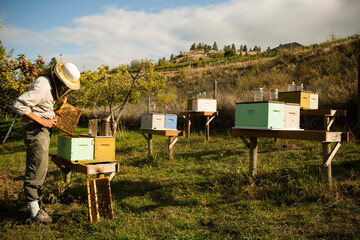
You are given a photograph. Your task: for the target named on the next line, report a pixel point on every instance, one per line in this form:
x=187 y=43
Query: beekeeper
x=36 y=108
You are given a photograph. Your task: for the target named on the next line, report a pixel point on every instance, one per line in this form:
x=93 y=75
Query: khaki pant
x=37 y=141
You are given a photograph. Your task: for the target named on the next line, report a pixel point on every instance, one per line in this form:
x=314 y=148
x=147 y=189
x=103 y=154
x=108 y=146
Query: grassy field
x=204 y=193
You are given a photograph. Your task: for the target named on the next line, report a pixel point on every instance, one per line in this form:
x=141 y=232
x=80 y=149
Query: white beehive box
x=314 y=101
x=204 y=105
x=153 y=121
x=292 y=116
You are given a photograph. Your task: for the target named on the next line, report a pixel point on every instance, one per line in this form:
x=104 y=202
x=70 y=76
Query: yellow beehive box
x=104 y=149
x=299 y=97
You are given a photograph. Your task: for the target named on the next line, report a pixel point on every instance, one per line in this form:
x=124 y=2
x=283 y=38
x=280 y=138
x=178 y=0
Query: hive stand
x=321 y=136
x=169 y=133
x=328 y=114
x=209 y=117
x=97 y=168
x=329 y=118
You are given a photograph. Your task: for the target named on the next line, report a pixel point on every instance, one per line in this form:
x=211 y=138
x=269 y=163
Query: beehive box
x=153 y=121
x=104 y=149
x=204 y=105
x=292 y=116
x=260 y=115
x=75 y=148
x=314 y=101
x=300 y=97
x=170 y=121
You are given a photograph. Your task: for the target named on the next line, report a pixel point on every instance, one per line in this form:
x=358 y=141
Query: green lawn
x=203 y=193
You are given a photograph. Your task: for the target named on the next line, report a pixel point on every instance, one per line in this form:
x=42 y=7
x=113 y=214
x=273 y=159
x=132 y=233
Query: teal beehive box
x=260 y=115
x=75 y=148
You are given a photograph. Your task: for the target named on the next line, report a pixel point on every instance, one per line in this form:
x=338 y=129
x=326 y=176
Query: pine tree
x=193 y=46
x=233 y=47
x=215 y=47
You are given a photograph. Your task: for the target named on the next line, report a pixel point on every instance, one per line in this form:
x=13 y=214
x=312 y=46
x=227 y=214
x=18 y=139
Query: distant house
x=288 y=46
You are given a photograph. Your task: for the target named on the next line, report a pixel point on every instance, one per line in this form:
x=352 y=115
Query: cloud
x=116 y=36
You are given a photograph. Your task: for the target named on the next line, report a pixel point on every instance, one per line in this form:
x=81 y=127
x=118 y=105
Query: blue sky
x=95 y=32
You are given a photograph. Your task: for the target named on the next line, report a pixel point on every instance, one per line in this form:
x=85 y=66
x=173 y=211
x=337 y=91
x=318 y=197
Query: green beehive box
x=75 y=148
x=299 y=97
x=260 y=115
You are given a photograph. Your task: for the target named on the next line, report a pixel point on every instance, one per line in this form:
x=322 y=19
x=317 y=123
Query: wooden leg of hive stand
x=150 y=145
x=326 y=170
x=171 y=152
x=67 y=173
x=207 y=129
x=188 y=120
x=253 y=146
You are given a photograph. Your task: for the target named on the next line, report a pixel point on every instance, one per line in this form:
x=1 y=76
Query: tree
x=215 y=47
x=193 y=47
x=134 y=64
x=162 y=61
x=229 y=52
x=245 y=49
x=233 y=47
x=53 y=61
x=15 y=77
x=115 y=89
x=227 y=47
x=200 y=45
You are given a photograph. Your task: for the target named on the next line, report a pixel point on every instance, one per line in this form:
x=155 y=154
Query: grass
x=203 y=193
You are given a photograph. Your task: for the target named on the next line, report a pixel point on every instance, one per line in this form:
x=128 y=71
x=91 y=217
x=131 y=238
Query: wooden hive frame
x=68 y=118
x=99 y=199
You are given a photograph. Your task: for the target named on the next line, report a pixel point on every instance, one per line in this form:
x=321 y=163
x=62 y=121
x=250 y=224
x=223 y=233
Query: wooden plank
x=200 y=113
x=77 y=167
x=321 y=136
x=86 y=169
x=332 y=155
x=245 y=141
x=323 y=112
x=101 y=168
x=172 y=143
x=169 y=133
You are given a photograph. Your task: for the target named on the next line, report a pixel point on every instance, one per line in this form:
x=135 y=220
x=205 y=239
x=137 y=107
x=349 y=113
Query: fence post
x=215 y=89
x=358 y=119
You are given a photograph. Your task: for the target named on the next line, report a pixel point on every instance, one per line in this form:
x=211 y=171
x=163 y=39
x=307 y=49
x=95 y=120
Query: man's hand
x=63 y=99
x=48 y=123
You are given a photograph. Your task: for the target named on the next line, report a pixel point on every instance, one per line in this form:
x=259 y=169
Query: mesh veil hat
x=69 y=74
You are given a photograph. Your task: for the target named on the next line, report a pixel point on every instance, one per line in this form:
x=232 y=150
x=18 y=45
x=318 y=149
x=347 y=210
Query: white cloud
x=117 y=36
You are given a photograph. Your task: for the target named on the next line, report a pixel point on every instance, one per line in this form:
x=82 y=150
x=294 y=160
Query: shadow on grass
x=161 y=195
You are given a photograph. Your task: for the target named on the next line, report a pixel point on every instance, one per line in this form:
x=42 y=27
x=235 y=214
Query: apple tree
x=16 y=76
x=116 y=88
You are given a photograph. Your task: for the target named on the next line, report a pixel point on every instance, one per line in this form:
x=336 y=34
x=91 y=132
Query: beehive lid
x=68 y=118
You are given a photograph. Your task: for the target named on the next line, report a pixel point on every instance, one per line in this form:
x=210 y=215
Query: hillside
x=329 y=69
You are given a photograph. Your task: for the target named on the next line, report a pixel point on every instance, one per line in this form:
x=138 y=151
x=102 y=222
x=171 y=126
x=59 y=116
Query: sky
x=91 y=33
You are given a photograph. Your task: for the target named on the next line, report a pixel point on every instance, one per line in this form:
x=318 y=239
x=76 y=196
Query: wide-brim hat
x=69 y=74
